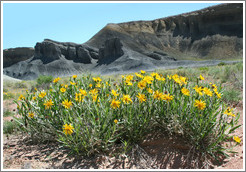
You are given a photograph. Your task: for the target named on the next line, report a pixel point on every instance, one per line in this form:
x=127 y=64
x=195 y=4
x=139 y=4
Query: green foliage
x=221 y=64
x=231 y=96
x=8 y=95
x=7 y=113
x=9 y=127
x=44 y=79
x=21 y=84
x=97 y=119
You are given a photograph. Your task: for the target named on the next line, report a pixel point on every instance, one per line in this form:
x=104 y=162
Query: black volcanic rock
x=15 y=55
x=110 y=51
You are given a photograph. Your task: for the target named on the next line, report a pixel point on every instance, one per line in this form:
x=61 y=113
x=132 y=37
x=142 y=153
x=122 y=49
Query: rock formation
x=15 y=55
x=213 y=33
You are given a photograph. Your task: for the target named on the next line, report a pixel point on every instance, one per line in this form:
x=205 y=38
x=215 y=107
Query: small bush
x=8 y=95
x=222 y=64
x=7 y=113
x=44 y=79
x=231 y=96
x=10 y=127
x=21 y=84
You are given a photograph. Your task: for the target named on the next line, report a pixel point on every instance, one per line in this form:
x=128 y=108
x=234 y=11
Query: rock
x=110 y=51
x=83 y=55
x=15 y=55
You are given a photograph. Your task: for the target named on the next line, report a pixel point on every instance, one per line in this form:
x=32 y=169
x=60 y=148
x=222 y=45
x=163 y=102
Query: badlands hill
x=210 y=34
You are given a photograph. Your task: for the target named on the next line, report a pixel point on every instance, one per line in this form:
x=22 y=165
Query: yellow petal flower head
x=139 y=75
x=185 y=91
x=115 y=121
x=21 y=97
x=142 y=84
x=148 y=79
x=63 y=90
x=98 y=85
x=83 y=92
x=94 y=97
x=150 y=90
x=126 y=99
x=157 y=95
x=67 y=104
x=141 y=97
x=74 y=76
x=142 y=71
x=48 y=104
x=207 y=91
x=198 y=90
x=93 y=92
x=56 y=80
x=236 y=139
x=79 y=97
x=200 y=104
x=167 y=97
x=42 y=94
x=115 y=104
x=114 y=93
x=31 y=114
x=201 y=77
x=34 y=98
x=72 y=83
x=98 y=79
x=68 y=129
x=129 y=83
x=90 y=85
x=228 y=112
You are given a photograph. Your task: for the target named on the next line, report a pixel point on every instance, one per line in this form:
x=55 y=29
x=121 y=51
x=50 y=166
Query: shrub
x=221 y=64
x=21 y=84
x=7 y=113
x=10 y=127
x=231 y=96
x=89 y=115
x=44 y=79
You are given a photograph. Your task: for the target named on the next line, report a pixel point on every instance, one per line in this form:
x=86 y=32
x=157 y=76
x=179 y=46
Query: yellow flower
x=97 y=79
x=63 y=90
x=129 y=78
x=218 y=95
x=74 y=76
x=56 y=80
x=148 y=79
x=93 y=92
x=35 y=89
x=139 y=75
x=126 y=99
x=48 y=104
x=169 y=77
x=83 y=92
x=142 y=72
x=150 y=90
x=67 y=104
x=72 y=83
x=21 y=97
x=183 y=80
x=108 y=84
x=115 y=104
x=79 y=97
x=237 y=139
x=200 y=104
x=98 y=85
x=115 y=121
x=198 y=90
x=65 y=86
x=31 y=115
x=90 y=85
x=94 y=97
x=185 y=91
x=167 y=97
x=157 y=95
x=201 y=77
x=142 y=84
x=34 y=98
x=128 y=83
x=153 y=74
x=68 y=129
x=207 y=91
x=42 y=94
x=141 y=97
x=114 y=93
x=228 y=112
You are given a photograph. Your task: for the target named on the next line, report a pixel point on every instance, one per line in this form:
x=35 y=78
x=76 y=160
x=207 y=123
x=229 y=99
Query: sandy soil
x=155 y=153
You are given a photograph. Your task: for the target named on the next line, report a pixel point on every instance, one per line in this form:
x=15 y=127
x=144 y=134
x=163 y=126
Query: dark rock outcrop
x=15 y=55
x=49 y=50
x=110 y=51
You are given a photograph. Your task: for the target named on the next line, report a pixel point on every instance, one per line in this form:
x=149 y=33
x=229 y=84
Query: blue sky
x=25 y=24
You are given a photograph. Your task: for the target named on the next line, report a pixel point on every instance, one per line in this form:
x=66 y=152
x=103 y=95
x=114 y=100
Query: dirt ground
x=157 y=153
